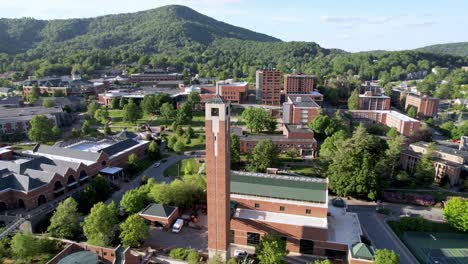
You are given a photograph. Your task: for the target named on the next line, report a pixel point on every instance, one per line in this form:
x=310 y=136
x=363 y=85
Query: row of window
x=282 y=208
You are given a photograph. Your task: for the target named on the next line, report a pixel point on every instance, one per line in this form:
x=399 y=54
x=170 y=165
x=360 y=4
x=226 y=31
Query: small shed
x=160 y=215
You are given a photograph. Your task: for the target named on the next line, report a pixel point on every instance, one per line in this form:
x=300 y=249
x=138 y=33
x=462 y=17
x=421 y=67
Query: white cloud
x=421 y=23
x=351 y=21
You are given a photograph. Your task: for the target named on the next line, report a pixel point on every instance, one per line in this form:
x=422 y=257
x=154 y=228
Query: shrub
x=193 y=257
x=179 y=253
x=383 y=211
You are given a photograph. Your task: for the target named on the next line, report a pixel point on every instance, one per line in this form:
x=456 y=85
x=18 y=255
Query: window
x=214 y=112
x=231 y=237
x=281 y=208
x=105 y=253
x=257 y=205
x=308 y=211
x=253 y=239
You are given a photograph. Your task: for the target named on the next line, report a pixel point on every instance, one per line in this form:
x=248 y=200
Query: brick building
x=425 y=106
x=268 y=86
x=17 y=120
x=67 y=85
x=234 y=92
x=404 y=124
x=32 y=178
x=242 y=207
x=298 y=84
x=450 y=164
x=373 y=101
x=299 y=137
x=159 y=78
x=300 y=109
x=160 y=215
x=89 y=254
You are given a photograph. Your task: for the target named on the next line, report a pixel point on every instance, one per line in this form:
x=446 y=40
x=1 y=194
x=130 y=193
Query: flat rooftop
x=344 y=227
x=280 y=218
x=402 y=116
x=302 y=100
x=7 y=112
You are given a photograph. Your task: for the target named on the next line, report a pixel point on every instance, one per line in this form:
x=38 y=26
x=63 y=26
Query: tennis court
x=441 y=248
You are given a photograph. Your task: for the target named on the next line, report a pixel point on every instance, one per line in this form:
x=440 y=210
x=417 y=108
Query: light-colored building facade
x=449 y=163
x=404 y=124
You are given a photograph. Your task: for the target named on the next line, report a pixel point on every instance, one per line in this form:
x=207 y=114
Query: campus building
x=299 y=137
x=229 y=90
x=34 y=177
x=300 y=108
x=298 y=84
x=268 y=86
x=450 y=164
x=17 y=120
x=404 y=124
x=370 y=100
x=425 y=106
x=243 y=207
x=66 y=85
x=159 y=78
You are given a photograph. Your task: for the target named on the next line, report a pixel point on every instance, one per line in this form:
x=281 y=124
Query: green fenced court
x=441 y=248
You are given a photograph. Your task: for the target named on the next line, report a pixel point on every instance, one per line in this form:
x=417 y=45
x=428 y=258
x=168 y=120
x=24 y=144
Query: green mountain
x=457 y=49
x=160 y=28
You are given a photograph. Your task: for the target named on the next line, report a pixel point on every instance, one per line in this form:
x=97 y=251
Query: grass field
x=191 y=166
x=198 y=120
x=442 y=248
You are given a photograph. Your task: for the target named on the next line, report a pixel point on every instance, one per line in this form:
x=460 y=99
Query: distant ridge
x=160 y=28
x=457 y=49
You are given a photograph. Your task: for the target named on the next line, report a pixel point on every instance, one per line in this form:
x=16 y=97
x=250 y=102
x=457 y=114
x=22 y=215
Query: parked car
x=178 y=225
x=157 y=164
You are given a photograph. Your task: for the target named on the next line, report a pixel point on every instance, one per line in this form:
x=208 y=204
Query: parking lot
x=188 y=237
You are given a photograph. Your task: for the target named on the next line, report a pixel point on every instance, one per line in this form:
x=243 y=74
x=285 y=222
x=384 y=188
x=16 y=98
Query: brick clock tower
x=218 y=167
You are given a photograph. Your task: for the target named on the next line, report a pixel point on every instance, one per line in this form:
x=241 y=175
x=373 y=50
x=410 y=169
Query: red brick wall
x=218 y=177
x=295 y=209
x=166 y=222
x=298 y=84
x=292 y=232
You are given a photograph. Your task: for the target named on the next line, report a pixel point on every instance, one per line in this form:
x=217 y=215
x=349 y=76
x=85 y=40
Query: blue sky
x=351 y=25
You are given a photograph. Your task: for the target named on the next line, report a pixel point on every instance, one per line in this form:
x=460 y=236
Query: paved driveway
x=156 y=173
x=380 y=234
x=186 y=238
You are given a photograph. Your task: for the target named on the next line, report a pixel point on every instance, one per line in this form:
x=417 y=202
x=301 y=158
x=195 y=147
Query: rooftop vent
x=298 y=99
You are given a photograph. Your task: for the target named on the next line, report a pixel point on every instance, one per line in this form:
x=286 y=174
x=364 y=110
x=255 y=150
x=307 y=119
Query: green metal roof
x=362 y=251
x=158 y=210
x=82 y=257
x=282 y=187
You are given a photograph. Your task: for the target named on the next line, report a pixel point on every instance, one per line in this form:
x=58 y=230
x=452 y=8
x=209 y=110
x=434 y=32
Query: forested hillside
x=458 y=49
x=192 y=43
x=152 y=30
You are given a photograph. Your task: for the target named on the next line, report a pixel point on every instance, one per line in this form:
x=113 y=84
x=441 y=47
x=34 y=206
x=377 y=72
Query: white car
x=239 y=253
x=157 y=164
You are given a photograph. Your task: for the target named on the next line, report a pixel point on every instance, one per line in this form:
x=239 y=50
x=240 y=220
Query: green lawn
x=197 y=143
x=23 y=147
x=198 y=120
x=308 y=170
x=187 y=166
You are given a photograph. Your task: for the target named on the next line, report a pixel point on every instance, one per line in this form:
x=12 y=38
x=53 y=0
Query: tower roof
x=217 y=99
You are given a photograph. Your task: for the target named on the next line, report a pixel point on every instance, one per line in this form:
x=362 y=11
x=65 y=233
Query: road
x=156 y=173
x=380 y=234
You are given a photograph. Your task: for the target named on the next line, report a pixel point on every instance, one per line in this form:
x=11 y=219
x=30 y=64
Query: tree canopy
x=263 y=156
x=64 y=222
x=99 y=225
x=456 y=213
x=134 y=231
x=39 y=130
